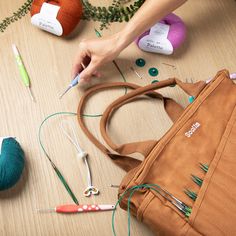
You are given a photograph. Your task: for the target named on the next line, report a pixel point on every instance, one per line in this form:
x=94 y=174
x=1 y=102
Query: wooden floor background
x=210 y=46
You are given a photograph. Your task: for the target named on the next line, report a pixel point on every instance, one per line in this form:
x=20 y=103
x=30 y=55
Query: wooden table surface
x=210 y=46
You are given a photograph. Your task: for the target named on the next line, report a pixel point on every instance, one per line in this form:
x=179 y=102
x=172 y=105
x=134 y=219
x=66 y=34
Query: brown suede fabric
x=170 y=161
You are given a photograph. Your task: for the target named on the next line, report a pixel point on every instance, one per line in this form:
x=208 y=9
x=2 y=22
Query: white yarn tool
x=90 y=189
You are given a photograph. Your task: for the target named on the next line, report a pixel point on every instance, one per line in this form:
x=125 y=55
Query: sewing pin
x=72 y=208
x=167 y=64
x=136 y=72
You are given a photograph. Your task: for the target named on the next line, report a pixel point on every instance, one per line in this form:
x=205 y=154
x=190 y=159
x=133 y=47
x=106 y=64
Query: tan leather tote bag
x=194 y=163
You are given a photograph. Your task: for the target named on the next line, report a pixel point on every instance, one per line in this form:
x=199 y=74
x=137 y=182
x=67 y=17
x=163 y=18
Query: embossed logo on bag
x=192 y=130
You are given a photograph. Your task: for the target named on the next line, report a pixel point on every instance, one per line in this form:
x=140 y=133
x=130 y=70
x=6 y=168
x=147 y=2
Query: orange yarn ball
x=69 y=14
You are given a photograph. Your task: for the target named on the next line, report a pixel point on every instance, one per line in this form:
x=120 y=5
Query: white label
x=47 y=19
x=153 y=43
x=192 y=130
x=157 y=40
x=162 y=30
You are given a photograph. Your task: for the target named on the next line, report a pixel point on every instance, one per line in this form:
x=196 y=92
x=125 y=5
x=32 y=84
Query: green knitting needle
x=23 y=73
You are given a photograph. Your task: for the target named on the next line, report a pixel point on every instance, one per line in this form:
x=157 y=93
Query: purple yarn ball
x=177 y=32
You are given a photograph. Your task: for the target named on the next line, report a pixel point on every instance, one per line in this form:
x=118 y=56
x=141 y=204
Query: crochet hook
x=23 y=73
x=72 y=208
x=73 y=83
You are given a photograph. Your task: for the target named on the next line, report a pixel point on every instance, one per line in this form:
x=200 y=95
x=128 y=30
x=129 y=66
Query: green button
x=140 y=62
x=153 y=71
x=155 y=81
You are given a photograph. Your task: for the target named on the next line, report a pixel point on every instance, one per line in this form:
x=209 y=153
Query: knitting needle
x=67 y=209
x=136 y=72
x=24 y=75
x=186 y=210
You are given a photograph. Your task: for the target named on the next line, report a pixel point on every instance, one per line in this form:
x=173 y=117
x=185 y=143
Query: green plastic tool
x=23 y=72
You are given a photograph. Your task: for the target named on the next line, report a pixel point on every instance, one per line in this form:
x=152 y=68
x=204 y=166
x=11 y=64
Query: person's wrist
x=120 y=42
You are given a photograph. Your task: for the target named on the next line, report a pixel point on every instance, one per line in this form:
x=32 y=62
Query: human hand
x=94 y=53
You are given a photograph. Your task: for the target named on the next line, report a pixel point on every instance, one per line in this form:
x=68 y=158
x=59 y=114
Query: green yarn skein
x=12 y=163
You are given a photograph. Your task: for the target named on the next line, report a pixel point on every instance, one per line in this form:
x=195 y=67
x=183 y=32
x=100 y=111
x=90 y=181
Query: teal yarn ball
x=12 y=163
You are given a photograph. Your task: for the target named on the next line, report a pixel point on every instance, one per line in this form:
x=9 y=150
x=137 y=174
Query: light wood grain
x=210 y=46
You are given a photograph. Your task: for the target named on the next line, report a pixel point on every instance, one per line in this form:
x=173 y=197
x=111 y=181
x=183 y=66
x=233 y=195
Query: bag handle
x=124 y=162
x=191 y=88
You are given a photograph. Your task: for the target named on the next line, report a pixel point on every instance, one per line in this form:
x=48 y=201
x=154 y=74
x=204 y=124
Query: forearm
x=151 y=12
x=103 y=50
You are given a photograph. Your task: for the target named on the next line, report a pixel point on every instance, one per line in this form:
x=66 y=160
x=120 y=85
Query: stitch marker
x=155 y=81
x=191 y=99
x=140 y=62
x=153 y=71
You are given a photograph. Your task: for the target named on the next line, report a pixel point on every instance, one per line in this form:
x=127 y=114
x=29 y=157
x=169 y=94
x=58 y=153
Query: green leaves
x=106 y=15
x=21 y=12
x=114 y=13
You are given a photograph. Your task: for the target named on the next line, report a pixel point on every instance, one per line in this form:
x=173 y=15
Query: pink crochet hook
x=72 y=208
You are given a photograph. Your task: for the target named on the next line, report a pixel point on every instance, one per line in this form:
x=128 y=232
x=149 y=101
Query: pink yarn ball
x=177 y=32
